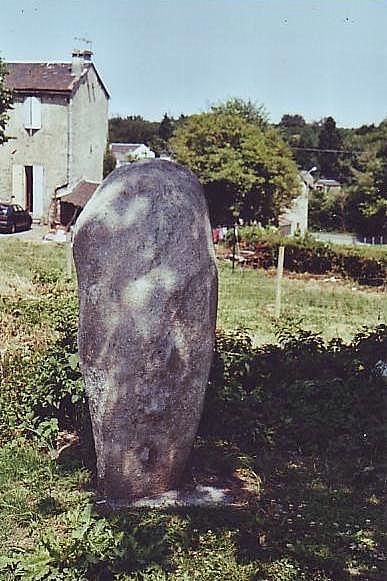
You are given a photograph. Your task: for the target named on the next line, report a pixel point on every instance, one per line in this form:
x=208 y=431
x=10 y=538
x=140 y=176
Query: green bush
x=305 y=416
x=308 y=255
x=303 y=395
x=39 y=385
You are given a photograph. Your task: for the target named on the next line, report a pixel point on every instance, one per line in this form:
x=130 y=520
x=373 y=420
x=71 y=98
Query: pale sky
x=313 y=57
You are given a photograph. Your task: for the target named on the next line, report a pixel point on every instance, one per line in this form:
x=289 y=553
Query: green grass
x=23 y=259
x=307 y=467
x=334 y=309
x=246 y=296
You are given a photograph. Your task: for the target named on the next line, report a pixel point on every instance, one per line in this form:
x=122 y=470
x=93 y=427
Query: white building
x=58 y=131
x=128 y=152
x=294 y=219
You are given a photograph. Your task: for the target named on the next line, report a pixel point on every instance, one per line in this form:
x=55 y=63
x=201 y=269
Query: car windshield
x=3 y=209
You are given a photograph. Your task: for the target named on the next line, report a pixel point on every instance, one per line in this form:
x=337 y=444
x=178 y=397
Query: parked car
x=13 y=218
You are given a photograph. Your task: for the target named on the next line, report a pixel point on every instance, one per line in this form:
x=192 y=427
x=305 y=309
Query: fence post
x=280 y=271
x=234 y=241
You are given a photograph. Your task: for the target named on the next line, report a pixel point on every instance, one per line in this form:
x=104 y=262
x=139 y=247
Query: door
x=29 y=188
x=18 y=184
x=38 y=191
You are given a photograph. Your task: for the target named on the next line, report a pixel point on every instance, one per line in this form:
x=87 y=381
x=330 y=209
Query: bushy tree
x=165 y=128
x=245 y=167
x=302 y=137
x=132 y=129
x=5 y=102
x=329 y=139
x=367 y=202
x=109 y=162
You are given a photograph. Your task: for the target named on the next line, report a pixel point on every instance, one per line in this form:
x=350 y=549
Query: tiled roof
x=124 y=147
x=41 y=76
x=81 y=194
x=327 y=182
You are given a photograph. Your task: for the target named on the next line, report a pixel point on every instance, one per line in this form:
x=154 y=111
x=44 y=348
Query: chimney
x=79 y=58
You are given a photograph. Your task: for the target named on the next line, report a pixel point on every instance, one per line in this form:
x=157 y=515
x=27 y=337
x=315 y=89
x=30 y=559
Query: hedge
x=308 y=255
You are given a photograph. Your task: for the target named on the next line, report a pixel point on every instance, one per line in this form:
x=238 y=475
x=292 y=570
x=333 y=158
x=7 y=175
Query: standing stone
x=148 y=294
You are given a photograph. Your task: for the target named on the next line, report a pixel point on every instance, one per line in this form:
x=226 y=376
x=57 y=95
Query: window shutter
x=36 y=113
x=27 y=113
x=32 y=113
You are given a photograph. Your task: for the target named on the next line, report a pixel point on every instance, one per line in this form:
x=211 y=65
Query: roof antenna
x=86 y=41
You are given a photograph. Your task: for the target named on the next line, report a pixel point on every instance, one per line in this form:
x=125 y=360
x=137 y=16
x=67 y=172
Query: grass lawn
x=296 y=431
x=334 y=309
x=246 y=296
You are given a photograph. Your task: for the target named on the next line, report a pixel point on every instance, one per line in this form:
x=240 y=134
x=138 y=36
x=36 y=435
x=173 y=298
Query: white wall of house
x=44 y=149
x=297 y=214
x=89 y=130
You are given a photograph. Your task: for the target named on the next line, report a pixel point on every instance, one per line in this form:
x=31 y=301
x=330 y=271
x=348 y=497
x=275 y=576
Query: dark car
x=13 y=217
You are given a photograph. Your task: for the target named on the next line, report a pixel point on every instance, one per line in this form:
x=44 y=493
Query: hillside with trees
x=222 y=156
x=354 y=157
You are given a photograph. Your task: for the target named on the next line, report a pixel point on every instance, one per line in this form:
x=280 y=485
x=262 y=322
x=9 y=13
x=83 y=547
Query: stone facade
x=58 y=132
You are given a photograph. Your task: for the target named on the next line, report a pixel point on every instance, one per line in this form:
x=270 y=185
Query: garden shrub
x=302 y=395
x=308 y=255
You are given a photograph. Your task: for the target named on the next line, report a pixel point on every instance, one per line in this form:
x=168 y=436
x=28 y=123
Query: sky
x=311 y=57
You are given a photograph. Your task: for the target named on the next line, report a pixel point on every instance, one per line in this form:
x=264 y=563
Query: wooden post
x=280 y=271
x=69 y=254
x=233 y=247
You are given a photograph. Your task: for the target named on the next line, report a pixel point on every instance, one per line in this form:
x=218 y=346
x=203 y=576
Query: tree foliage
x=302 y=137
x=367 y=201
x=5 y=102
x=329 y=139
x=132 y=129
x=165 y=128
x=109 y=162
x=244 y=165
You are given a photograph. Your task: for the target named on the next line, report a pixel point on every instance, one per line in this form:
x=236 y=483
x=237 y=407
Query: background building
x=58 y=132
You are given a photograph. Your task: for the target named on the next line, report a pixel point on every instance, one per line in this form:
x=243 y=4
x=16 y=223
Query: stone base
x=198 y=496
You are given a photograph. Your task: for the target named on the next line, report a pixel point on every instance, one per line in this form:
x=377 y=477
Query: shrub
x=303 y=395
x=309 y=255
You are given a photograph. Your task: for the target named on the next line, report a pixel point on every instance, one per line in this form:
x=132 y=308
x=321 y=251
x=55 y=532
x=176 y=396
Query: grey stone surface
x=148 y=295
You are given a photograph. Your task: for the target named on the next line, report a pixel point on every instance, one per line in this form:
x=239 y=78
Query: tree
x=132 y=129
x=244 y=165
x=367 y=201
x=302 y=137
x=247 y=110
x=329 y=139
x=166 y=128
x=5 y=102
x=292 y=121
x=109 y=162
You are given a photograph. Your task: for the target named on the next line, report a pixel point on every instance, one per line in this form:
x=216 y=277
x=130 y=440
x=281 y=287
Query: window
x=32 y=113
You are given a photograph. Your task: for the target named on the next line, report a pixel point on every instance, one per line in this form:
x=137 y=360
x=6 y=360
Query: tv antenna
x=87 y=42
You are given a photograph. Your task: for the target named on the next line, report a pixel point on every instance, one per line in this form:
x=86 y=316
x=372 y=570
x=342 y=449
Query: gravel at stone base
x=199 y=496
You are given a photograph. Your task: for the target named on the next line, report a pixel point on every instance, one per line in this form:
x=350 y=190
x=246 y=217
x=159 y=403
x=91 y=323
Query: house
x=327 y=185
x=58 y=131
x=127 y=152
x=294 y=220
